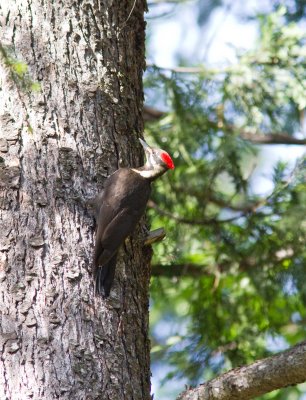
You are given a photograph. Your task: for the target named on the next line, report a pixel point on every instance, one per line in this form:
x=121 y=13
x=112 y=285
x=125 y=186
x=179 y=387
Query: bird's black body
x=122 y=203
x=124 y=200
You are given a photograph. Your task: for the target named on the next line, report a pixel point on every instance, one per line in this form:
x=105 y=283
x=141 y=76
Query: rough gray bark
x=263 y=376
x=57 y=147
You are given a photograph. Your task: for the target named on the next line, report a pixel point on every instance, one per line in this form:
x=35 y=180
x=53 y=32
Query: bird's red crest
x=167 y=160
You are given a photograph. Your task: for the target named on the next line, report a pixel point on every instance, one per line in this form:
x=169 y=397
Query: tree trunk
x=57 y=146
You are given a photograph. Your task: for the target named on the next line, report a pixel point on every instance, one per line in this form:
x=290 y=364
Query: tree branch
x=204 y=221
x=247 y=382
x=198 y=270
x=152 y=114
x=272 y=138
x=187 y=70
x=176 y=270
x=244 y=208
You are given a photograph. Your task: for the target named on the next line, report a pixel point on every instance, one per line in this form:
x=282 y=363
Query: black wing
x=114 y=234
x=124 y=201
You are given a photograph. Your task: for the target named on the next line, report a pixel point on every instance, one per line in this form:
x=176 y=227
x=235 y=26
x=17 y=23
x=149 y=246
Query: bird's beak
x=145 y=146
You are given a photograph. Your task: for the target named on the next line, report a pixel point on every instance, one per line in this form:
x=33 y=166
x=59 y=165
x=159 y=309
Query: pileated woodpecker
x=121 y=205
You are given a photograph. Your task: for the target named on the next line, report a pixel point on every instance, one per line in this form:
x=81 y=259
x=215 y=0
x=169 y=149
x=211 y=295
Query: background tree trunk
x=57 y=147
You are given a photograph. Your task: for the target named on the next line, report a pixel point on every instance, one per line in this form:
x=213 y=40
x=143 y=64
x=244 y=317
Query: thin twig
x=187 y=70
x=206 y=221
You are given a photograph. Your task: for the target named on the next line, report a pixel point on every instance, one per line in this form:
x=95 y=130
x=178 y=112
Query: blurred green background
x=225 y=93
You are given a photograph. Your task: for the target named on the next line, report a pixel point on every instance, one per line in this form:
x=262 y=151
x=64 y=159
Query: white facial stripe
x=144 y=173
x=152 y=162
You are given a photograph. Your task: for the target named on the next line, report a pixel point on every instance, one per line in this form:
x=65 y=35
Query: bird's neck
x=150 y=172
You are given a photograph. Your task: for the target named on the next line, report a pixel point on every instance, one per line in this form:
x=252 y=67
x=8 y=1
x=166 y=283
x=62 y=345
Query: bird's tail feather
x=104 y=277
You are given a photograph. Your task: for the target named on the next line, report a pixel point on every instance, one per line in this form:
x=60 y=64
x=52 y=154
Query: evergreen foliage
x=232 y=270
